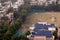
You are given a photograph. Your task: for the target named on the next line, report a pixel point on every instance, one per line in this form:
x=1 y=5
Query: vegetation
x=8 y=30
x=27 y=32
x=46 y=8
x=55 y=33
x=53 y=8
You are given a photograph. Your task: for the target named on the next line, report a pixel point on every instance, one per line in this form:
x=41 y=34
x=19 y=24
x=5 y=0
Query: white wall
x=51 y=28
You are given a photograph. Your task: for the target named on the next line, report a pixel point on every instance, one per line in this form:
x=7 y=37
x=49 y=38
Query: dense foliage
x=46 y=8
x=8 y=29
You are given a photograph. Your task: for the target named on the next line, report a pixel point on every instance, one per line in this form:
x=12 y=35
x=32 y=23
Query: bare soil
x=49 y=17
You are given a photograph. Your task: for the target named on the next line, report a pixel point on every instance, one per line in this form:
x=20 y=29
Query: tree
x=55 y=34
x=7 y=31
x=27 y=32
x=4 y=18
x=16 y=14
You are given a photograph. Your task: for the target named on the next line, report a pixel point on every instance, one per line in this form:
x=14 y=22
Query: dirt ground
x=49 y=17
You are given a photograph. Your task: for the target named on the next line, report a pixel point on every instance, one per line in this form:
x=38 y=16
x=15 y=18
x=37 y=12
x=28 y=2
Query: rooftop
x=41 y=29
x=42 y=33
x=43 y=26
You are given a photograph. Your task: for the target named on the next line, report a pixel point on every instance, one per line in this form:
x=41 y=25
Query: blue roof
x=51 y=25
x=43 y=26
x=42 y=33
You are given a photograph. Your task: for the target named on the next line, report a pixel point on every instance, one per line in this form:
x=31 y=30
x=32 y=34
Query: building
x=33 y=2
x=2 y=11
x=4 y=6
x=42 y=31
x=17 y=4
x=44 y=26
x=20 y=2
x=43 y=2
x=42 y=35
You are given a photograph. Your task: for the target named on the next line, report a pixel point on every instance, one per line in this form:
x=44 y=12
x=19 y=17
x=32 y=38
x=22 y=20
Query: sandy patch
x=49 y=17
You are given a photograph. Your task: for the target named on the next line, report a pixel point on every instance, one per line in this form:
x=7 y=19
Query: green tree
x=7 y=30
x=27 y=32
x=55 y=34
x=16 y=14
